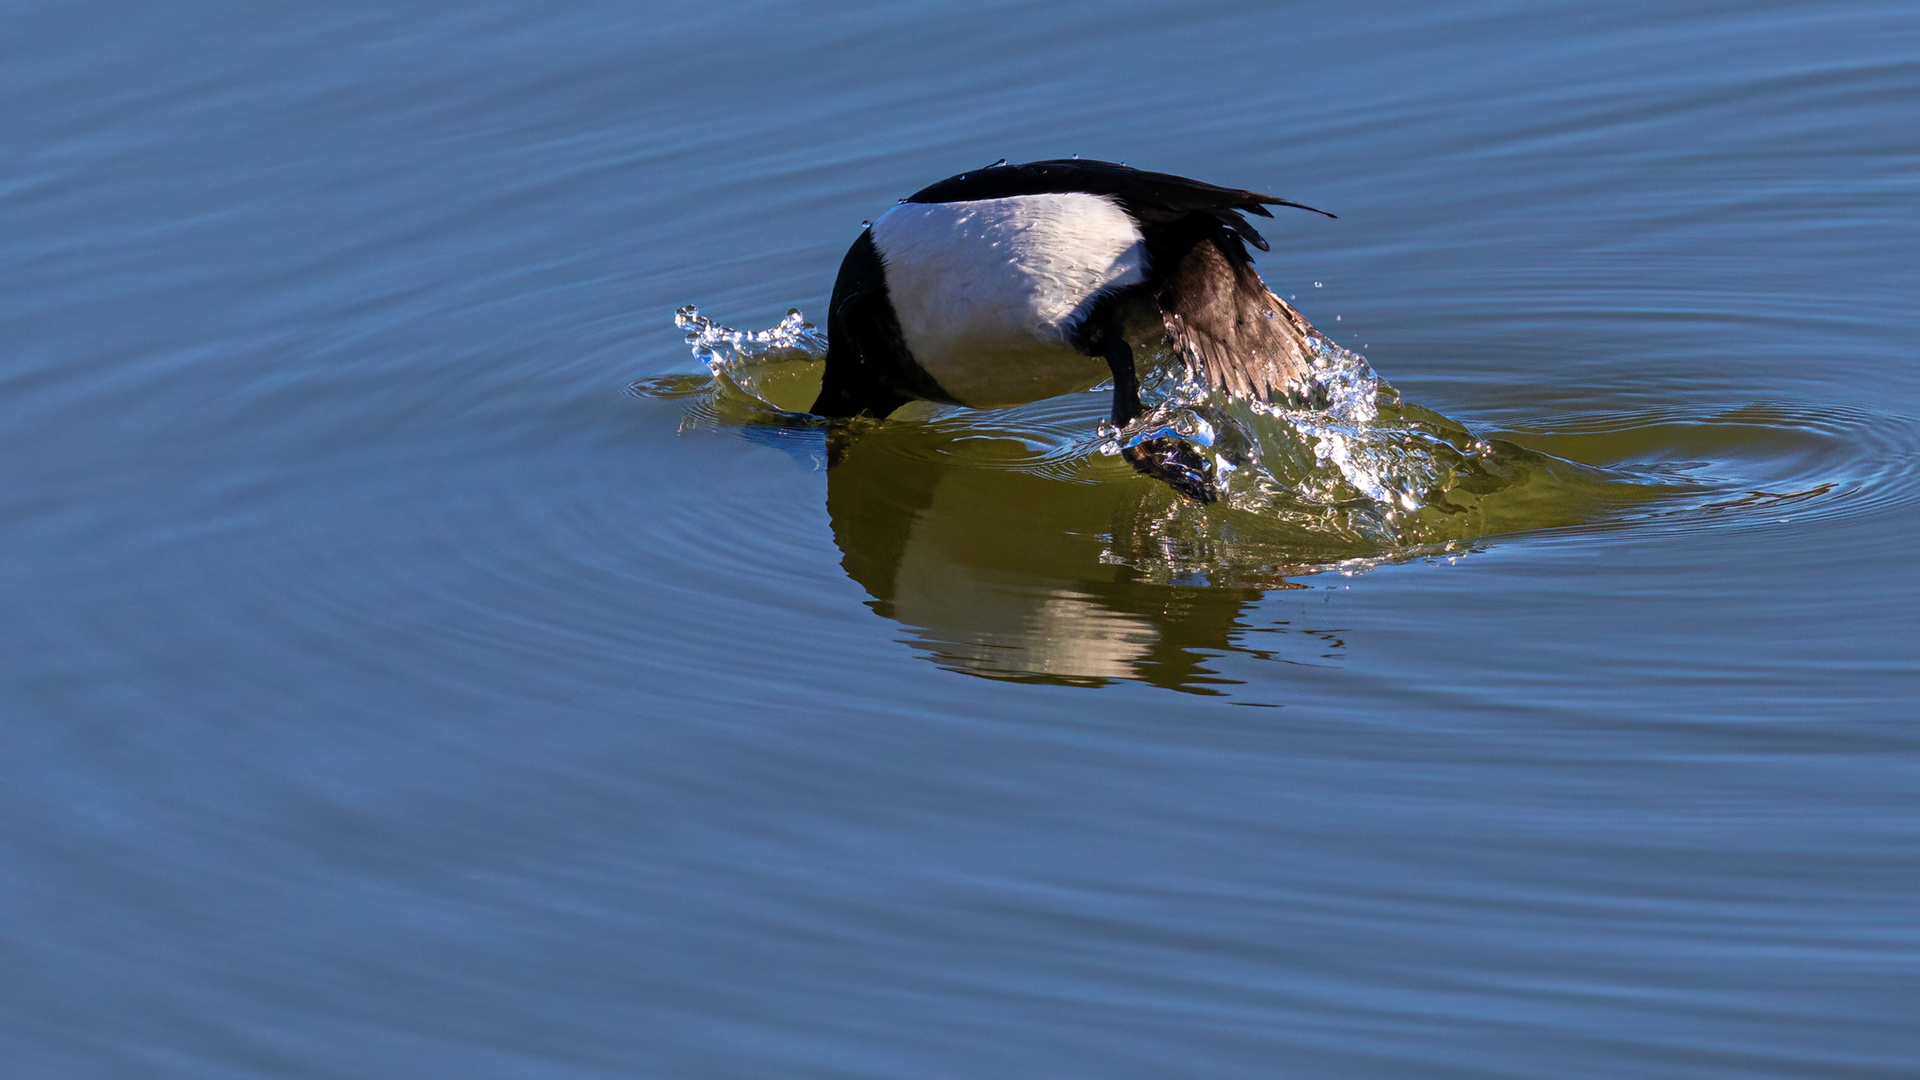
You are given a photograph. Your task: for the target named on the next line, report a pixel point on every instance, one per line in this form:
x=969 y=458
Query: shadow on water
x=1016 y=544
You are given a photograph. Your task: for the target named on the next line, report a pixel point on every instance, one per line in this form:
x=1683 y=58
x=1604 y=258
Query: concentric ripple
x=1759 y=461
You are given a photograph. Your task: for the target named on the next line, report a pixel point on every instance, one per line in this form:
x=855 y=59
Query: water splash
x=1360 y=464
x=724 y=350
x=757 y=376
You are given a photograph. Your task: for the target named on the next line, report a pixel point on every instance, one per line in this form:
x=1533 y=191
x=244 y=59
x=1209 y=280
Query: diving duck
x=1013 y=283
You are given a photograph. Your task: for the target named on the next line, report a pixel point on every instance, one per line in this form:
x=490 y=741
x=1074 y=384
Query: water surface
x=390 y=690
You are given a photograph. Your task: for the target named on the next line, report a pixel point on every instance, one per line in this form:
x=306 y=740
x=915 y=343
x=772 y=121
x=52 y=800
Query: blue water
x=391 y=690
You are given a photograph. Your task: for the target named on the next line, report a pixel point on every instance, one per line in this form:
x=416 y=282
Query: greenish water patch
x=1368 y=477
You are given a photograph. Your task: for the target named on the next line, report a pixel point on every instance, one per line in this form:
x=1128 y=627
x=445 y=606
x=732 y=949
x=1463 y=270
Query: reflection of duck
x=1013 y=283
x=1010 y=574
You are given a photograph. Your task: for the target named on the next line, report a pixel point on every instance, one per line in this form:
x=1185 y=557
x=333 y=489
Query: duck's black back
x=1152 y=198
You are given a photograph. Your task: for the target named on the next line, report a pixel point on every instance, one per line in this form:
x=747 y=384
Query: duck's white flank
x=988 y=293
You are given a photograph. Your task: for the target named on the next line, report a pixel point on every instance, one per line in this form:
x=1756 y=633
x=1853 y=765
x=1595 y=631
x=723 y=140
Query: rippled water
x=416 y=662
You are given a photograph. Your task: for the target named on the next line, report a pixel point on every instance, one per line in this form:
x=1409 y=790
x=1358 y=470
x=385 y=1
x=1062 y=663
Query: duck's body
x=991 y=293
x=1018 y=282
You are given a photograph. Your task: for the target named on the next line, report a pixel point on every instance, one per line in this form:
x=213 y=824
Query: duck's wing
x=1231 y=330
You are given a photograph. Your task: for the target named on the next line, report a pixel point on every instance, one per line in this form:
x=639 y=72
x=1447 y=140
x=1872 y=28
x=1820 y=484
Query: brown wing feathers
x=1230 y=329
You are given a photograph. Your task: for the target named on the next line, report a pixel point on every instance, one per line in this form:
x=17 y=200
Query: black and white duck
x=1013 y=283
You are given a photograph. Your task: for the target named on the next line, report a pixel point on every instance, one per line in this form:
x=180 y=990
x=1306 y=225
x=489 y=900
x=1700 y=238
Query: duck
x=1012 y=283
